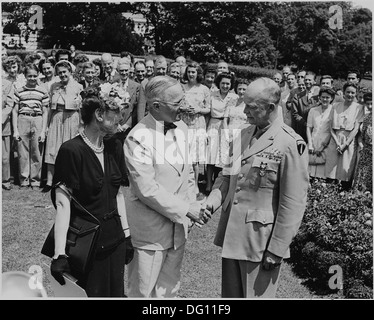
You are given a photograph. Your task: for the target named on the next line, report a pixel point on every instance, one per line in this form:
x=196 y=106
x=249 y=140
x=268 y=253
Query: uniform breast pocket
x=263 y=173
x=260 y=224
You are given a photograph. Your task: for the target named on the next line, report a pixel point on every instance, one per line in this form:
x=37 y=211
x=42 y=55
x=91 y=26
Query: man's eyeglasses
x=182 y=103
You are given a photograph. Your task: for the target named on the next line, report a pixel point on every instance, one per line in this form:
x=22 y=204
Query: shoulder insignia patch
x=301 y=146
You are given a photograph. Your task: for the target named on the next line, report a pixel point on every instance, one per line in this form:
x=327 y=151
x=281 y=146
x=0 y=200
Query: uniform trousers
x=155 y=274
x=246 y=279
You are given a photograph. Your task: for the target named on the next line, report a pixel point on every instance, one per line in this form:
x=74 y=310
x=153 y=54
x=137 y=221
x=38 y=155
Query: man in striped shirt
x=30 y=116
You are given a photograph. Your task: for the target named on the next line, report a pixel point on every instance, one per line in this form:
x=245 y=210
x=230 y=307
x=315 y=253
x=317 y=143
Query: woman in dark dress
x=93 y=168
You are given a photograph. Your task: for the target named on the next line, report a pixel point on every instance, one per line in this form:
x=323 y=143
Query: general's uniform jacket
x=263 y=194
x=161 y=189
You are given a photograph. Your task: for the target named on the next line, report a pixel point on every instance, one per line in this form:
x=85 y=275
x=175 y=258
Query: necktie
x=256 y=136
x=168 y=126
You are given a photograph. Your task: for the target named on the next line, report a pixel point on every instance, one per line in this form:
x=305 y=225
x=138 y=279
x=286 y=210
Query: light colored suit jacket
x=161 y=185
x=70 y=94
x=263 y=194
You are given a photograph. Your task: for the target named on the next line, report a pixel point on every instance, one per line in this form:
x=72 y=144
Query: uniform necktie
x=256 y=136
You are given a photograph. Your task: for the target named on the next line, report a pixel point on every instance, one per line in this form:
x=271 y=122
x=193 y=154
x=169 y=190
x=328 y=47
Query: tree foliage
x=258 y=34
x=82 y=24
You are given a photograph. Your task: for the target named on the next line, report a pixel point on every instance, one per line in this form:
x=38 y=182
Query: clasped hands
x=341 y=148
x=200 y=216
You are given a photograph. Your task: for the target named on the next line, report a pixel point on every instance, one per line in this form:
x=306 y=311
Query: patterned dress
x=319 y=123
x=65 y=122
x=341 y=166
x=363 y=180
x=236 y=118
x=199 y=97
x=215 y=137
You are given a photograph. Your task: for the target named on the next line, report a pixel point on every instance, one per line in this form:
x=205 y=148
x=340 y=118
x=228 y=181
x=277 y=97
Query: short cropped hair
x=210 y=70
x=270 y=91
x=61 y=52
x=157 y=85
x=88 y=65
x=326 y=76
x=160 y=59
x=310 y=73
x=80 y=58
x=125 y=54
x=227 y=75
x=31 y=58
x=30 y=66
x=240 y=81
x=122 y=61
x=139 y=62
x=356 y=72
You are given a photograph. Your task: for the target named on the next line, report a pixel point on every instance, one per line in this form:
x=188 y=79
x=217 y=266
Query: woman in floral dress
x=318 y=129
x=221 y=100
x=234 y=117
x=346 y=118
x=197 y=106
x=64 y=115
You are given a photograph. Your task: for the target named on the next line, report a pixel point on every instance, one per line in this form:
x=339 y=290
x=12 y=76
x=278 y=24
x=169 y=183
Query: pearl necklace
x=90 y=144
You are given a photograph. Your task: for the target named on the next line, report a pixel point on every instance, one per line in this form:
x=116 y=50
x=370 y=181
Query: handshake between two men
x=200 y=216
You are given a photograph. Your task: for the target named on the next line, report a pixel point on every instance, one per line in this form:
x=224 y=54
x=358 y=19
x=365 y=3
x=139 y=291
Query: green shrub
x=245 y=72
x=336 y=230
x=356 y=289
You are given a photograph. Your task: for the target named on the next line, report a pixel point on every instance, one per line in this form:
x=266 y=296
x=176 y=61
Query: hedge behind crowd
x=336 y=231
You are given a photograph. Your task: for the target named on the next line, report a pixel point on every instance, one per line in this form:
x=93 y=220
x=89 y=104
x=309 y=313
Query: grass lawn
x=27 y=216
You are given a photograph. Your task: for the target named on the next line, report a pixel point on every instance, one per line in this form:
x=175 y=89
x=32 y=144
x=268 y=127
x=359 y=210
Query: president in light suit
x=161 y=194
x=263 y=192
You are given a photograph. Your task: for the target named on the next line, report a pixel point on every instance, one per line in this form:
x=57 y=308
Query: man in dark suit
x=302 y=103
x=136 y=96
x=89 y=79
x=110 y=74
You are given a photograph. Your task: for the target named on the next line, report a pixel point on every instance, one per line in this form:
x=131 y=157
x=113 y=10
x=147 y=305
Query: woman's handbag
x=81 y=239
x=315 y=159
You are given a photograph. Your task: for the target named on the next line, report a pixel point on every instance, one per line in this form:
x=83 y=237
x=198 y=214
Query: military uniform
x=263 y=194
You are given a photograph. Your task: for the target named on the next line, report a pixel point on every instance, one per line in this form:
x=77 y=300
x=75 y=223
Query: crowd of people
x=213 y=102
x=58 y=127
